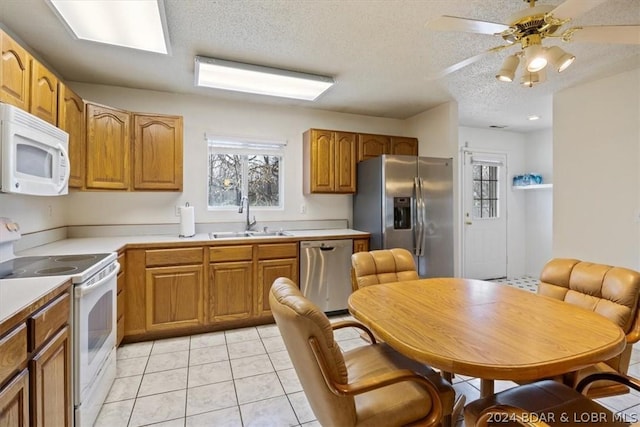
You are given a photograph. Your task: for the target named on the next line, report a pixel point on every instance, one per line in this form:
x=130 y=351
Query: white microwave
x=33 y=154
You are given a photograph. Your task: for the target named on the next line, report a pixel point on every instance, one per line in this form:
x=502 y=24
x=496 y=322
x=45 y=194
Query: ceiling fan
x=528 y=28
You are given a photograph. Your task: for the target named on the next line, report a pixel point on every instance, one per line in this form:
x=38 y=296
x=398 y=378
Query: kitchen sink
x=242 y=234
x=268 y=233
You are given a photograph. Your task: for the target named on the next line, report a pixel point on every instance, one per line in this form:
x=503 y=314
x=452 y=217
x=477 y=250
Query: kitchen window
x=238 y=168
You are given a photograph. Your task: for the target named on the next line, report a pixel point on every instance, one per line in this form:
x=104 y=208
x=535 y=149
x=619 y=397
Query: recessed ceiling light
x=533 y=117
x=240 y=77
x=138 y=24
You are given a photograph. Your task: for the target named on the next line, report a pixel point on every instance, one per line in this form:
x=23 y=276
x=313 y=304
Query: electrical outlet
x=303 y=209
x=177 y=210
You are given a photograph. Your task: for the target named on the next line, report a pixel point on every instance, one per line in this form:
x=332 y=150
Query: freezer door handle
x=419 y=229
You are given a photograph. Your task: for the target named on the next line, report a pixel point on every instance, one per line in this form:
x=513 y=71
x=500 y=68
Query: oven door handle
x=83 y=290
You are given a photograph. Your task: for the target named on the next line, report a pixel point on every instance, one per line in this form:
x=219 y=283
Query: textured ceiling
x=380 y=52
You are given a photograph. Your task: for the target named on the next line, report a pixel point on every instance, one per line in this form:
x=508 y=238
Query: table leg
x=486 y=388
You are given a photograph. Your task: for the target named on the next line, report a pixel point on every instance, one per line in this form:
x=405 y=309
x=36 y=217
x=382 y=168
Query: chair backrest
x=382 y=266
x=299 y=320
x=613 y=292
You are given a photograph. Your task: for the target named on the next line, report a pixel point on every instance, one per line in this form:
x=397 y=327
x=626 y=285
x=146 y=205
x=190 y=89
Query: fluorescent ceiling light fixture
x=137 y=24
x=240 y=77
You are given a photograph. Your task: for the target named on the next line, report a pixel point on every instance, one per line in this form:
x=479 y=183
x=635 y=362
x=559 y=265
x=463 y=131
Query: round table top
x=485 y=329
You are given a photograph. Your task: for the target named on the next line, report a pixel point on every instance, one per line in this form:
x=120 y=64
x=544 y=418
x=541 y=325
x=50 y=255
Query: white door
x=484 y=215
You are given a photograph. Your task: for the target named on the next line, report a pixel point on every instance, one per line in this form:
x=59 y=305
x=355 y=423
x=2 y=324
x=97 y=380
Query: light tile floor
x=242 y=378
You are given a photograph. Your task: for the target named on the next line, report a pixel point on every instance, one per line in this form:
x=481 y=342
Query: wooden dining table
x=486 y=330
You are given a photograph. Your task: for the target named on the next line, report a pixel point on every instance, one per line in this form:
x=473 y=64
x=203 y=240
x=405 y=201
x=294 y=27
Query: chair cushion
x=610 y=291
x=553 y=402
x=382 y=407
x=383 y=266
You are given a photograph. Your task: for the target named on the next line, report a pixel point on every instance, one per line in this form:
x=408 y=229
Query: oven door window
x=99 y=325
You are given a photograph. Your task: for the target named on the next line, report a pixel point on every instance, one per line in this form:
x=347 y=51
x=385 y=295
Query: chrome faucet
x=250 y=224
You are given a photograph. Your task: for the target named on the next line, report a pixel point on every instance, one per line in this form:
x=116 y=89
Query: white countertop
x=16 y=294
x=113 y=244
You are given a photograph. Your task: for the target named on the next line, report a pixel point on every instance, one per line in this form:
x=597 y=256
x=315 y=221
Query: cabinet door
x=370 y=146
x=360 y=245
x=14 y=402
x=50 y=372
x=108 y=148
x=174 y=297
x=268 y=272
x=15 y=73
x=322 y=161
x=345 y=162
x=44 y=93
x=404 y=146
x=230 y=291
x=71 y=120
x=157 y=152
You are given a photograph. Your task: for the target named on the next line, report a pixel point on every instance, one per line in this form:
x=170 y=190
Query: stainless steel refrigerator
x=407 y=202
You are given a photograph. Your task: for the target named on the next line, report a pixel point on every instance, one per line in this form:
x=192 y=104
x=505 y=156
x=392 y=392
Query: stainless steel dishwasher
x=325 y=273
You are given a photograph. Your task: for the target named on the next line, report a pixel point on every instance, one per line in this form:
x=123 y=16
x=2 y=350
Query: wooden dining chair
x=549 y=403
x=382 y=266
x=613 y=292
x=372 y=385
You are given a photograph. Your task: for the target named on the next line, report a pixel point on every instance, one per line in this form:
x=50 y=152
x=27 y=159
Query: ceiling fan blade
x=573 y=8
x=455 y=67
x=622 y=34
x=454 y=23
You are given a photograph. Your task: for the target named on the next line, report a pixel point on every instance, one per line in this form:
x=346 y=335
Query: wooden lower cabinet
x=268 y=271
x=174 y=297
x=35 y=365
x=360 y=245
x=230 y=291
x=14 y=402
x=50 y=382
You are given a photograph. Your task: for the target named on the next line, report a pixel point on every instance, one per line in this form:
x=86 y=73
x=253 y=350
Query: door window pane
x=485 y=191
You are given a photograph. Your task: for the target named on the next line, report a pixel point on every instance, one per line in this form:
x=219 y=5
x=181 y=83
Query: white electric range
x=93 y=320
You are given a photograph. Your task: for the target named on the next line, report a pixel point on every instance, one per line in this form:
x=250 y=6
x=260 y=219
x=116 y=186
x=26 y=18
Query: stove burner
x=55 y=270
x=72 y=258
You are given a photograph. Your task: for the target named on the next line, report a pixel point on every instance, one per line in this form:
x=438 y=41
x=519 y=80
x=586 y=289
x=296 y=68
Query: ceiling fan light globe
x=508 y=71
x=535 y=57
x=559 y=58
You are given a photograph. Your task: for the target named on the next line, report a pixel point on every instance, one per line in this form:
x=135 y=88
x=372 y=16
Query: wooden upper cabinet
x=157 y=152
x=329 y=160
x=370 y=146
x=404 y=145
x=44 y=93
x=15 y=73
x=108 y=148
x=71 y=120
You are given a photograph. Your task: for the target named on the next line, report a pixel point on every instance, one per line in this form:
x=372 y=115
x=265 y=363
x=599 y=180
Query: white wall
x=596 y=157
x=34 y=213
x=203 y=114
x=538 y=151
x=513 y=145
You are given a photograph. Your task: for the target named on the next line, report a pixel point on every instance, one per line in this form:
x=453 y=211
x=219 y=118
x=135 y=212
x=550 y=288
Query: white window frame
x=247 y=146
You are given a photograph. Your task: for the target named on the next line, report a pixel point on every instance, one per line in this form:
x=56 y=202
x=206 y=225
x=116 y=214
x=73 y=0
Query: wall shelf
x=532 y=187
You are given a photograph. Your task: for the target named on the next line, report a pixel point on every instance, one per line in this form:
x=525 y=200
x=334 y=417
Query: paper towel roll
x=187 y=221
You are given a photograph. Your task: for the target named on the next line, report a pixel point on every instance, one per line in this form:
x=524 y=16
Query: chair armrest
x=503 y=414
x=353 y=324
x=583 y=385
x=379 y=381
